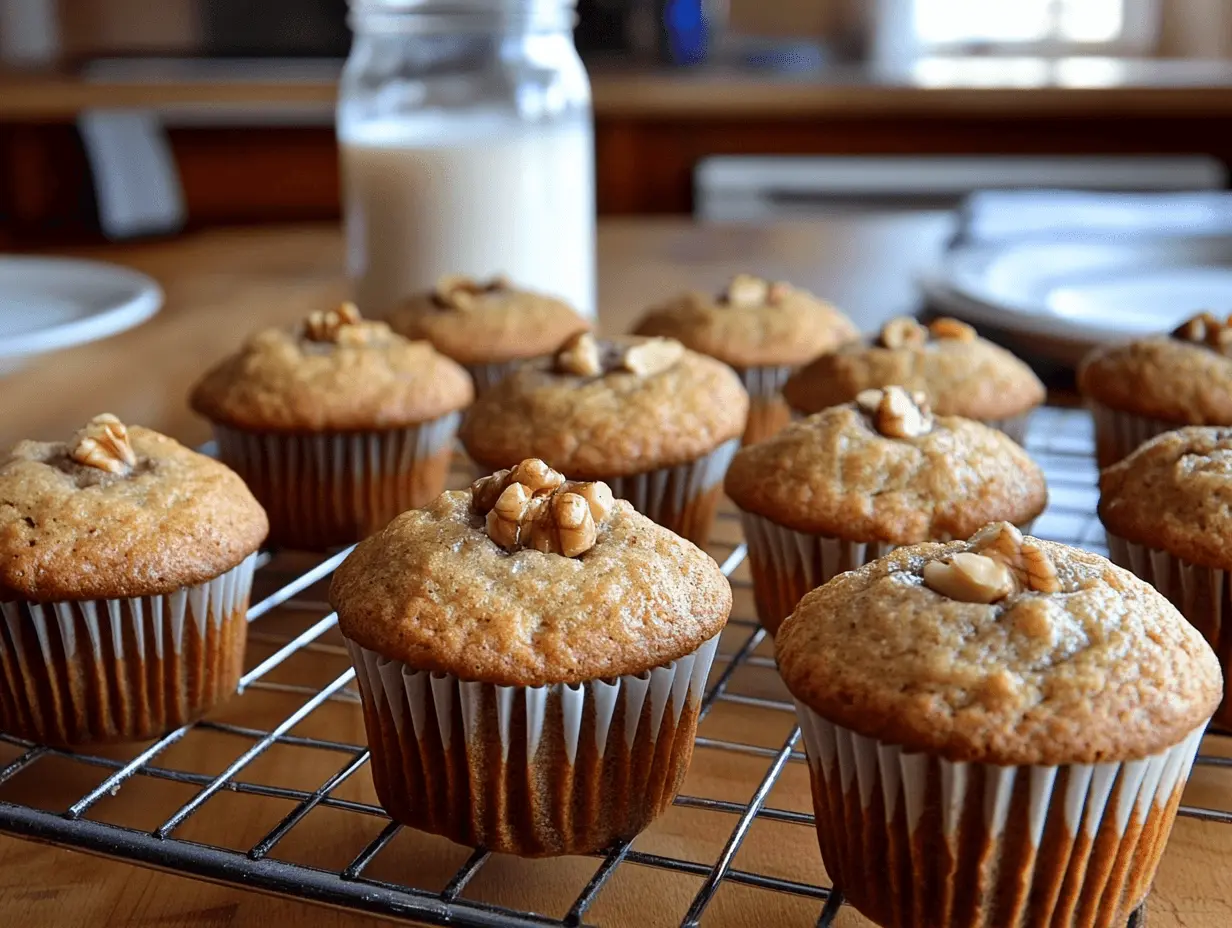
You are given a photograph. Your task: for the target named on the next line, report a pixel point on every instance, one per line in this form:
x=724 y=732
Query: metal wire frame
x=1063 y=449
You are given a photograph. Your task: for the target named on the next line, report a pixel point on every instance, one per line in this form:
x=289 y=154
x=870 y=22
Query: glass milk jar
x=467 y=147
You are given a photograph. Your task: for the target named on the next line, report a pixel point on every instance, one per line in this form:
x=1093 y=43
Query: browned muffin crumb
x=1175 y=493
x=960 y=374
x=835 y=474
x=118 y=512
x=608 y=425
x=753 y=322
x=478 y=322
x=434 y=591
x=1102 y=668
x=336 y=372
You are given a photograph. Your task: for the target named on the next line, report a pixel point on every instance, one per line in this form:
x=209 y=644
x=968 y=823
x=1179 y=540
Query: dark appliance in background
x=275 y=28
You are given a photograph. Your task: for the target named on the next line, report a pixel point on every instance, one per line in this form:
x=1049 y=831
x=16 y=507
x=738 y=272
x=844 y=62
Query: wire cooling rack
x=271 y=793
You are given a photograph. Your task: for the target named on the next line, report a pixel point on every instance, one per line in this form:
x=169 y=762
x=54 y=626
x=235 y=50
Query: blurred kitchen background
x=123 y=118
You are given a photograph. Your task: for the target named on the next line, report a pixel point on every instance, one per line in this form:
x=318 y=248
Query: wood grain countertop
x=220 y=285
x=975 y=87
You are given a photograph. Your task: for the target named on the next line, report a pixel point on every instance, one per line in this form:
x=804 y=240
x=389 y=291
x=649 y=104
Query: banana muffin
x=531 y=656
x=1142 y=388
x=959 y=373
x=126 y=562
x=998 y=731
x=488 y=327
x=656 y=422
x=337 y=426
x=851 y=483
x=764 y=330
x=1166 y=512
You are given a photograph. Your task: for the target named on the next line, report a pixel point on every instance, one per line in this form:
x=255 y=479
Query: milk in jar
x=433 y=197
x=466 y=147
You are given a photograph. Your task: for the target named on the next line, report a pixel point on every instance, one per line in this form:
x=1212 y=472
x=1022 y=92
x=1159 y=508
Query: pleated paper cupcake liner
x=1015 y=426
x=1202 y=594
x=914 y=841
x=1118 y=434
x=331 y=489
x=683 y=498
x=787 y=564
x=534 y=771
x=487 y=376
x=97 y=671
x=768 y=411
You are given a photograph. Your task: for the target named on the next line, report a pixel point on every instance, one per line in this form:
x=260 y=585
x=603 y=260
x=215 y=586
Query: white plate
x=50 y=303
x=1086 y=292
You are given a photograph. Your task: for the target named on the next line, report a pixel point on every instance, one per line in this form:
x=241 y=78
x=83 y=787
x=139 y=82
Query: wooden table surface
x=221 y=284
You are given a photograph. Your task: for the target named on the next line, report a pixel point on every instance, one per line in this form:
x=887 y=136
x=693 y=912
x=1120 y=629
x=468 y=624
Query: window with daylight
x=1016 y=26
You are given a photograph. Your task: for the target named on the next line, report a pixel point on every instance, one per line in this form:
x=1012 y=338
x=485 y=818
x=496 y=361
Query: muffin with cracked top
x=959 y=373
x=126 y=562
x=541 y=646
x=848 y=485
x=763 y=329
x=656 y=422
x=998 y=731
x=489 y=327
x=1166 y=510
x=1142 y=388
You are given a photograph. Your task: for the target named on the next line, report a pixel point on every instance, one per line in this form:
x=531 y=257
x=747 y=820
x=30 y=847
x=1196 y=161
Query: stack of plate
x=1056 y=272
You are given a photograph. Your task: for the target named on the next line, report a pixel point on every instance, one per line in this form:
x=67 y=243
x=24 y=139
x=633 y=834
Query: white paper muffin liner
x=329 y=489
x=768 y=411
x=786 y=564
x=107 y=670
x=534 y=771
x=763 y=383
x=1202 y=594
x=918 y=841
x=682 y=498
x=487 y=376
x=1118 y=434
x=1014 y=426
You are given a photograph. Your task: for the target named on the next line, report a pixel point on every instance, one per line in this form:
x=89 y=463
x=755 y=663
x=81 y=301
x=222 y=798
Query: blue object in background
x=687 y=32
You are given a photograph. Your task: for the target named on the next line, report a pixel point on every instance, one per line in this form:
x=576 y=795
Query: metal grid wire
x=1060 y=441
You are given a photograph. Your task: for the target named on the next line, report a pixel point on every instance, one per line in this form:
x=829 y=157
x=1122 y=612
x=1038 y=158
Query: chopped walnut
x=459 y=292
x=598 y=496
x=504 y=522
x=344 y=326
x=970 y=578
x=652 y=356
x=532 y=506
x=897 y=413
x=1032 y=567
x=948 y=328
x=536 y=476
x=580 y=355
x=747 y=290
x=103 y=443
x=585 y=356
x=903 y=332
x=1207 y=329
